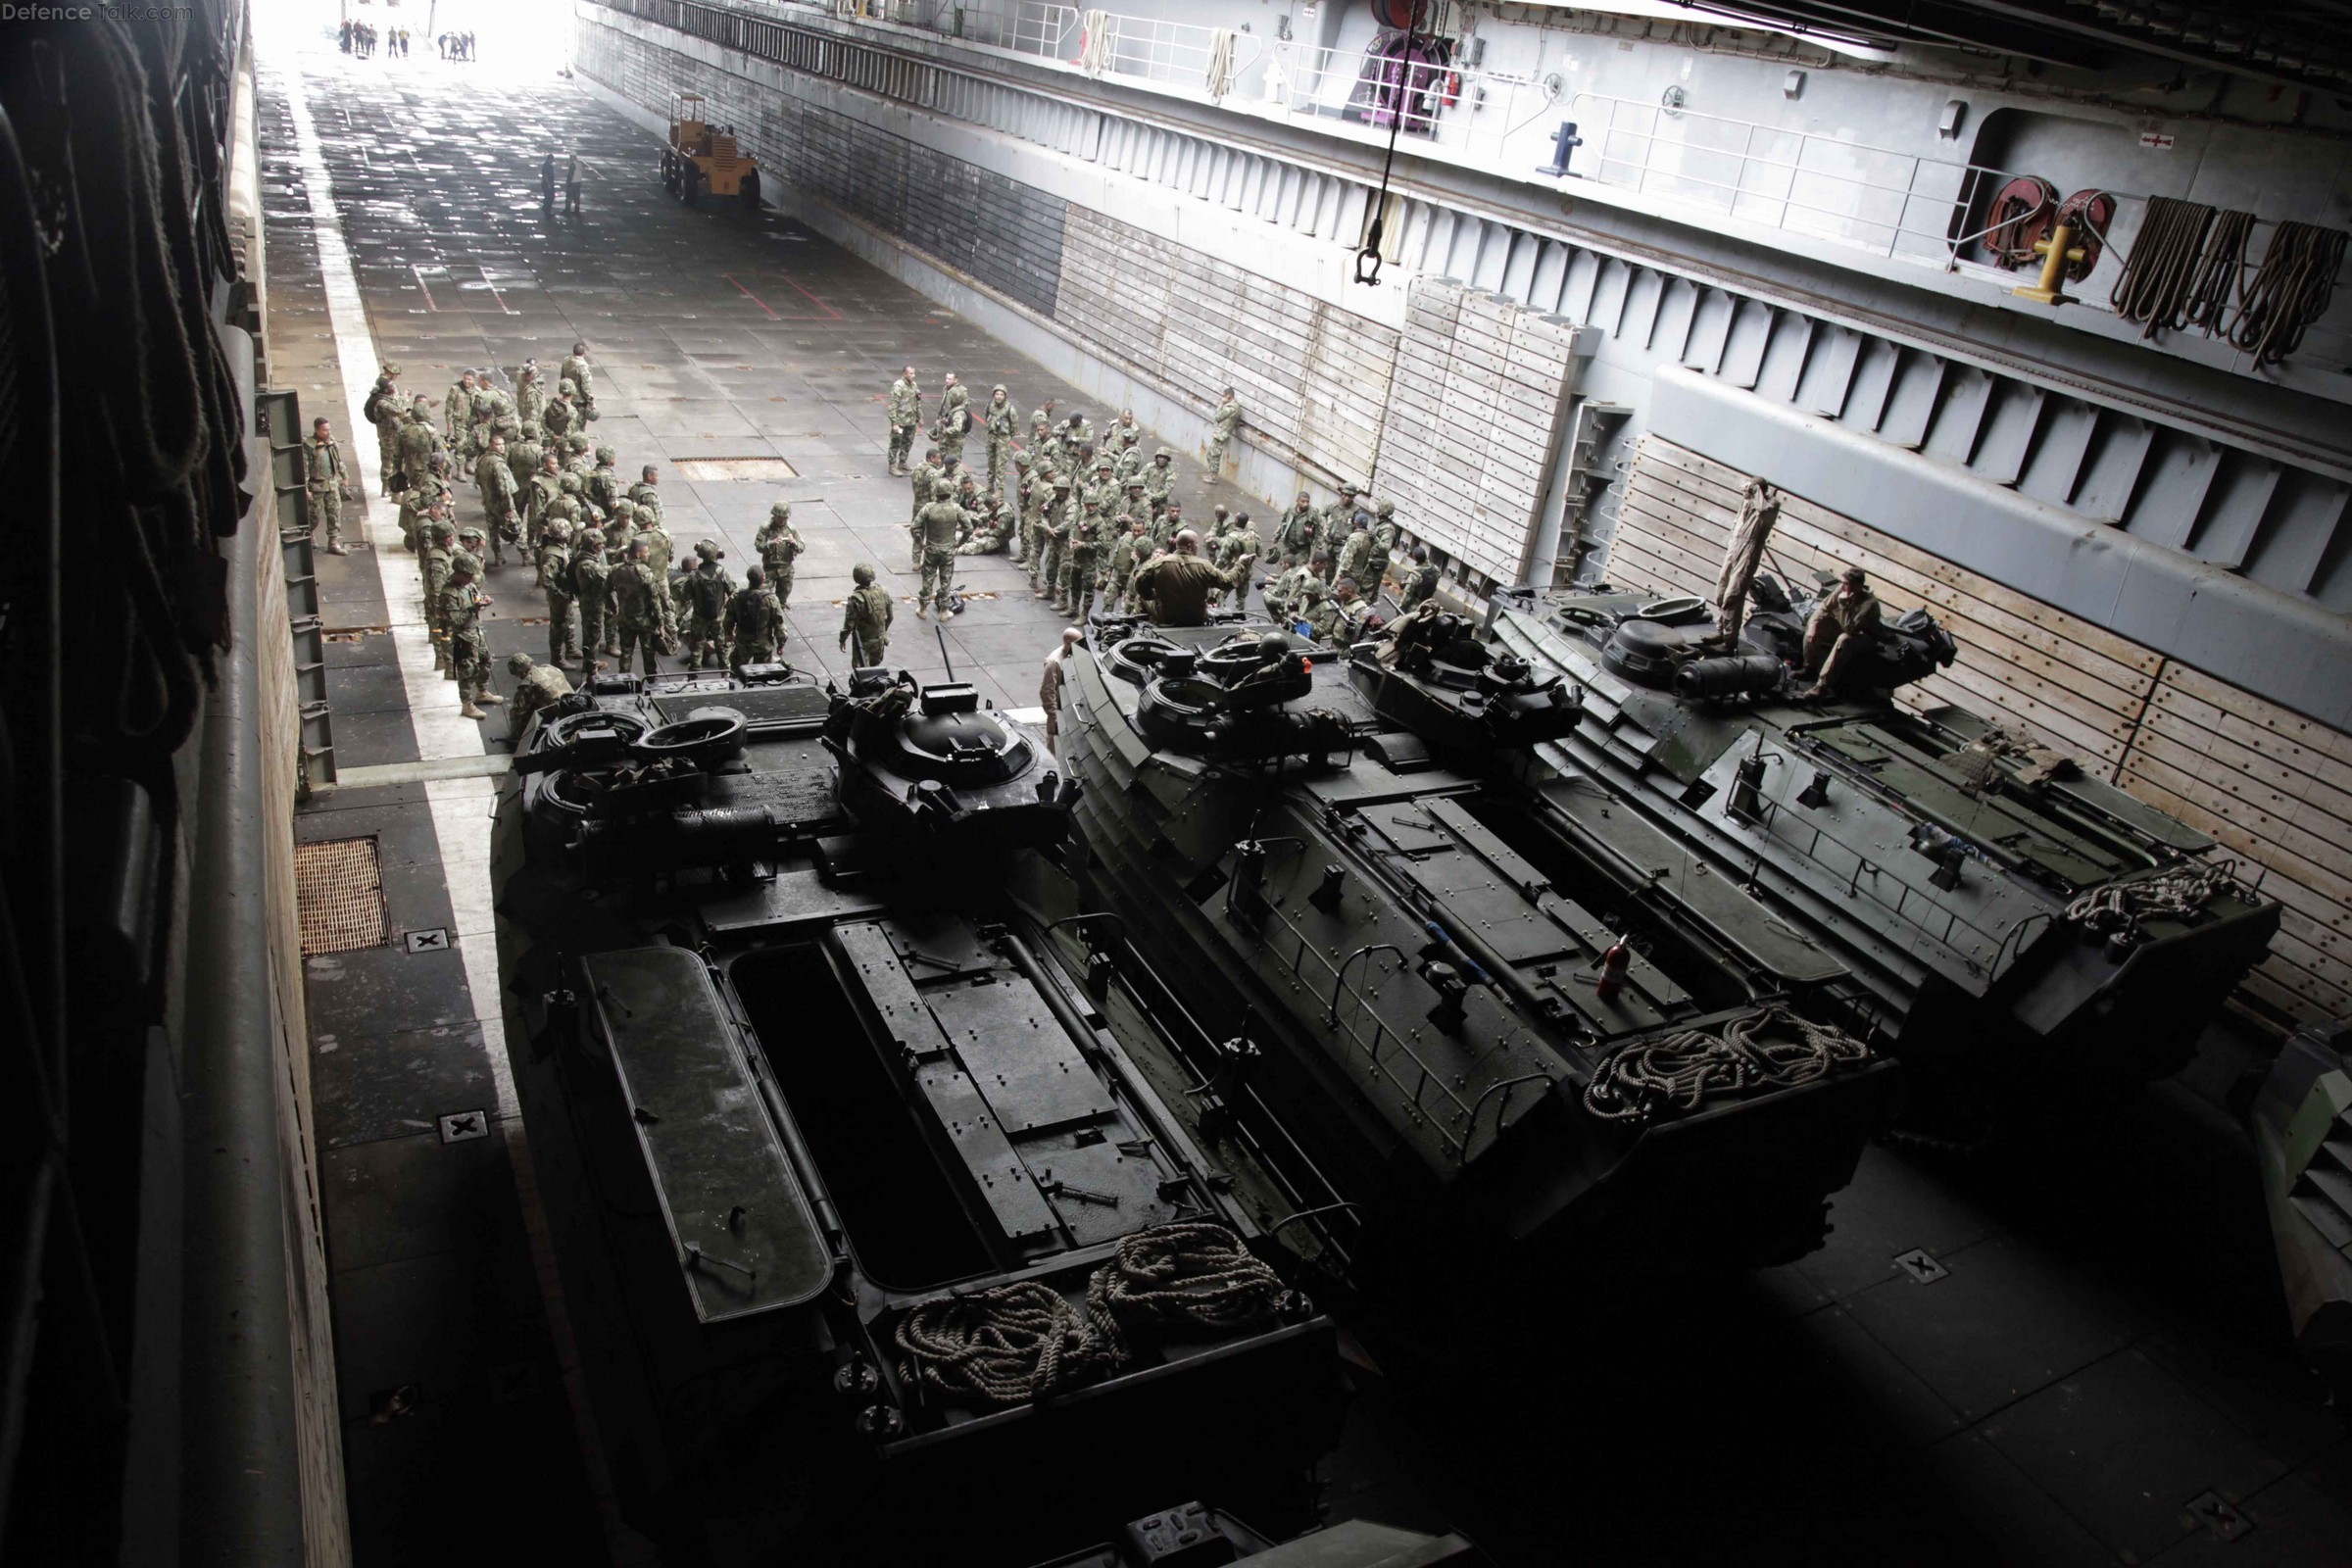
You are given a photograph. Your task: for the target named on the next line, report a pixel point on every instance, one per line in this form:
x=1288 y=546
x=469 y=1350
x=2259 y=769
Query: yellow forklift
x=704 y=160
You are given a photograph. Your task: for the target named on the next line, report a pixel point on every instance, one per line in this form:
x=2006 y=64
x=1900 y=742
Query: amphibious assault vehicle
x=2006 y=915
x=878 y=1245
x=1499 y=1057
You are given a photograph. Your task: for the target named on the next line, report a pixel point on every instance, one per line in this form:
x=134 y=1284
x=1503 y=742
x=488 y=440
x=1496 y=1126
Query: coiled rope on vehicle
x=2288 y=292
x=2120 y=906
x=1015 y=1343
x=1772 y=1048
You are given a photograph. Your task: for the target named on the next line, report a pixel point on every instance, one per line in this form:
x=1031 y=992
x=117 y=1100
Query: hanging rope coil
x=2161 y=270
x=2288 y=291
x=1019 y=1343
x=1772 y=1048
x=2119 y=907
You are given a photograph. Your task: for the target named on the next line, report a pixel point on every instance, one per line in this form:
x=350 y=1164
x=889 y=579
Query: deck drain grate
x=735 y=469
x=339 y=890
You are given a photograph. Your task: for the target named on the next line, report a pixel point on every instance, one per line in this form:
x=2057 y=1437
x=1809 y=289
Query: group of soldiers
x=600 y=552
x=361 y=37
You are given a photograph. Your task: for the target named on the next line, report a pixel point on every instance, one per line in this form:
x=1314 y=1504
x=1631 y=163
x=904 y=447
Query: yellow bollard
x=2055 y=254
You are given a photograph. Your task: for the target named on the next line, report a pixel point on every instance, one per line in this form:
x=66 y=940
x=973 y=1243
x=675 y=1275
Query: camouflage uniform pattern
x=906 y=413
x=324 y=483
x=865 y=617
x=642 y=611
x=754 y=628
x=779 y=546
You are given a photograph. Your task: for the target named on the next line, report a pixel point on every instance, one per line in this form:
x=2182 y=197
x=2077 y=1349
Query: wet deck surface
x=2100 y=1348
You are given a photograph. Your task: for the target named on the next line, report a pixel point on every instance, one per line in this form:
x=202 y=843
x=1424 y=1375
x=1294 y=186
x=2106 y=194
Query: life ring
x=2017 y=218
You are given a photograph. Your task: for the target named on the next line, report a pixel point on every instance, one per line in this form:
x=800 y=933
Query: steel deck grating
x=339 y=890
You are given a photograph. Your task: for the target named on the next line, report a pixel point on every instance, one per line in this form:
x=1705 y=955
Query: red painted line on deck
x=831 y=314
x=429 y=293
x=493 y=288
x=748 y=295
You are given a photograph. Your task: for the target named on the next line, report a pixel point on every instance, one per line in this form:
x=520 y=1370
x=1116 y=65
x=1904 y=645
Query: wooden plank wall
x=1473 y=421
x=2272 y=786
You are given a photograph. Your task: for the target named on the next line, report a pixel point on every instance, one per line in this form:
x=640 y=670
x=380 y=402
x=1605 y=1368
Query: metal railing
x=1832 y=187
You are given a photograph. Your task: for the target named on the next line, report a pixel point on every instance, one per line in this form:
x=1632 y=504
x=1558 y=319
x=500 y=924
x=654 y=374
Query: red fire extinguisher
x=1613 y=965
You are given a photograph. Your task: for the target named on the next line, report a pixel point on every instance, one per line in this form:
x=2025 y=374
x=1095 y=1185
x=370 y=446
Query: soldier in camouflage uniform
x=1131 y=549
x=575 y=370
x=495 y=481
x=1295 y=533
x=865 y=617
x=456 y=409
x=388 y=412
x=1420 y=584
x=1339 y=620
x=955 y=422
x=554 y=580
x=990 y=532
x=324 y=483
x=906 y=414
x=941 y=528
x=462 y=607
x=530 y=397
x=1376 y=559
x=647 y=491
x=440 y=542
x=1085 y=555
x=1221 y=424
x=1169 y=524
x=604 y=480
x=536 y=686
x=779 y=546
x=561 y=416
x=1041 y=430
x=1002 y=419
x=654 y=534
x=1355 y=551
x=523 y=454
x=1159 y=484
x=926 y=473
x=1237 y=557
x=707 y=588
x=592 y=594
x=417 y=443
x=641 y=607
x=1052 y=534
x=539 y=498
x=754 y=625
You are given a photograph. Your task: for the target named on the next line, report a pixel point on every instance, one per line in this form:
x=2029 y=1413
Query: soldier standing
x=456 y=409
x=1295 y=533
x=562 y=413
x=754 y=624
x=416 y=444
x=575 y=367
x=547 y=184
x=1023 y=506
x=1237 y=557
x=554 y=580
x=495 y=481
x=324 y=483
x=384 y=410
x=571 y=188
x=1053 y=532
x=865 y=616
x=1384 y=542
x=647 y=491
x=1048 y=688
x=592 y=594
x=530 y=397
x=709 y=587
x=906 y=413
x=1002 y=419
x=641 y=606
x=1040 y=429
x=462 y=607
x=941 y=530
x=1221 y=425
x=1159 y=482
x=926 y=473
x=1133 y=545
x=536 y=686
x=1173 y=589
x=604 y=480
x=1420 y=584
x=779 y=546
x=1355 y=551
x=955 y=421
x=1086 y=557
x=438 y=545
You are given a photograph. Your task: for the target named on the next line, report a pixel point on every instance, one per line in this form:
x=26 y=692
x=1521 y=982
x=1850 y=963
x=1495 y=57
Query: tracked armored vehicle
x=868 y=1230
x=2005 y=915
x=1500 y=1059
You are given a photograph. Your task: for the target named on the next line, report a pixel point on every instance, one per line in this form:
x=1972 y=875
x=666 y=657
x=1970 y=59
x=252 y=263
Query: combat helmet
x=780 y=512
x=607 y=455
x=565 y=386
x=518 y=663
x=708 y=549
x=863 y=575
x=569 y=484
x=575 y=443
x=557 y=529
